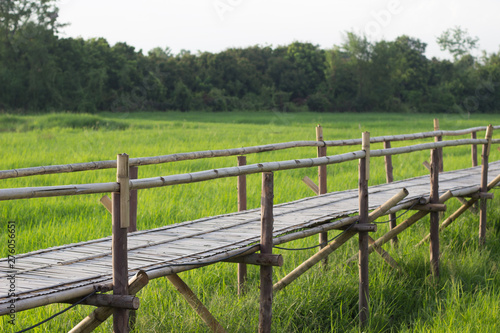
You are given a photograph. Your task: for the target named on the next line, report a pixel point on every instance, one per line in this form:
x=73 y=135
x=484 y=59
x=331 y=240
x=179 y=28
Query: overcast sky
x=215 y=25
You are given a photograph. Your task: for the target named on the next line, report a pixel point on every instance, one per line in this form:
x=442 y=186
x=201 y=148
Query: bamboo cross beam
x=99 y=315
x=310 y=183
x=115 y=301
x=196 y=304
x=384 y=254
x=334 y=245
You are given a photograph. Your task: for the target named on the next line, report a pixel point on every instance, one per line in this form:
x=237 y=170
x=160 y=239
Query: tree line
x=41 y=71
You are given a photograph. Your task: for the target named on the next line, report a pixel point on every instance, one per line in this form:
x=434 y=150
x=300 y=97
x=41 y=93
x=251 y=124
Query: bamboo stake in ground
x=120 y=217
x=322 y=188
x=389 y=175
x=99 y=315
x=266 y=247
x=364 y=172
x=437 y=139
x=434 y=216
x=473 y=149
x=242 y=205
x=484 y=184
x=195 y=303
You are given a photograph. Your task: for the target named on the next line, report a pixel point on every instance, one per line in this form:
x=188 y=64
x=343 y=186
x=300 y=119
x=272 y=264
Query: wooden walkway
x=62 y=273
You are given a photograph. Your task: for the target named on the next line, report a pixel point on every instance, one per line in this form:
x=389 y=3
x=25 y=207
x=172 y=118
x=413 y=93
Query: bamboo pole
x=384 y=254
x=53 y=191
x=468 y=204
x=266 y=247
x=133 y=174
x=473 y=150
x=242 y=205
x=120 y=213
x=195 y=303
x=310 y=183
x=434 y=216
x=99 y=165
x=334 y=245
x=364 y=176
x=402 y=226
x=322 y=185
x=484 y=185
x=389 y=175
x=99 y=315
x=439 y=138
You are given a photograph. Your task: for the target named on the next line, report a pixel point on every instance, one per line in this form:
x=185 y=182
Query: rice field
x=465 y=299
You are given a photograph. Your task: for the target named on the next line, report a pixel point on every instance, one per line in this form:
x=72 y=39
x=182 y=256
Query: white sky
x=214 y=25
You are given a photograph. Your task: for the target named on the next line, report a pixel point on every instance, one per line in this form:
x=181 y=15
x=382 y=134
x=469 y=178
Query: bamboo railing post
x=266 y=246
x=242 y=205
x=322 y=188
x=121 y=218
x=434 y=216
x=364 y=175
x=437 y=139
x=389 y=175
x=473 y=149
x=484 y=184
x=133 y=174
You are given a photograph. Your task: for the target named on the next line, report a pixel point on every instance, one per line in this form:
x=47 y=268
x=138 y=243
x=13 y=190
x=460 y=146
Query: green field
x=465 y=299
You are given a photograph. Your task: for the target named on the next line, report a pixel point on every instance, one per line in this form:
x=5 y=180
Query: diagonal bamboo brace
x=344 y=237
x=467 y=205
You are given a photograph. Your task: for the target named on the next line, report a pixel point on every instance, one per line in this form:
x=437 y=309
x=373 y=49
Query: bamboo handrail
x=98 y=165
x=144 y=183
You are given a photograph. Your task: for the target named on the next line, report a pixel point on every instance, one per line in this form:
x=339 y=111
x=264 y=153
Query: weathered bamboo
x=120 y=265
x=133 y=174
x=484 y=185
x=402 y=226
x=431 y=207
x=322 y=185
x=439 y=138
x=242 y=205
x=364 y=176
x=129 y=302
x=389 y=176
x=473 y=209
x=77 y=167
x=52 y=191
x=427 y=165
x=468 y=204
x=195 y=303
x=434 y=216
x=107 y=203
x=121 y=219
x=473 y=150
x=310 y=183
x=99 y=315
x=266 y=247
x=334 y=245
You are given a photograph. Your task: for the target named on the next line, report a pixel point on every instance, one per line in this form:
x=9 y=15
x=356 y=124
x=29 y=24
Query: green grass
x=465 y=299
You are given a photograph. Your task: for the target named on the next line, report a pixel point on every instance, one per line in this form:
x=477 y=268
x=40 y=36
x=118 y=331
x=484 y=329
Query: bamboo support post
x=121 y=218
x=195 y=303
x=266 y=247
x=389 y=175
x=468 y=204
x=364 y=172
x=438 y=139
x=242 y=205
x=322 y=188
x=434 y=216
x=484 y=184
x=133 y=174
x=402 y=226
x=473 y=149
x=99 y=315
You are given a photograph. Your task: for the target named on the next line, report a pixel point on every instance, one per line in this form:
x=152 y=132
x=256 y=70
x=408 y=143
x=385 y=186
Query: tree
x=458 y=42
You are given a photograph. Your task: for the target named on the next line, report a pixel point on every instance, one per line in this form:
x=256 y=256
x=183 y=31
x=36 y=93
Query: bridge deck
x=65 y=272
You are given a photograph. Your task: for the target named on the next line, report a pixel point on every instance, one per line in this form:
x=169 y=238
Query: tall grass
x=323 y=300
